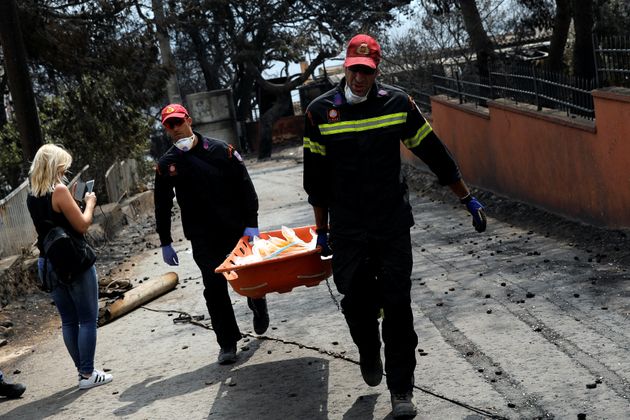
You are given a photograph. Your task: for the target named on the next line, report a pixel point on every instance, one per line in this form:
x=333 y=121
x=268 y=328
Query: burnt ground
x=603 y=245
x=27 y=317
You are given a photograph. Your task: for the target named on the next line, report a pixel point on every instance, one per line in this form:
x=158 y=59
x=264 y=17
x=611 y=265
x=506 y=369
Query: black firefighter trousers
x=375 y=275
x=209 y=254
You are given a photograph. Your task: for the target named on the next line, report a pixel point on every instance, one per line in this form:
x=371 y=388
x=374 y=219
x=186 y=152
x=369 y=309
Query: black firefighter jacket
x=214 y=191
x=352 y=162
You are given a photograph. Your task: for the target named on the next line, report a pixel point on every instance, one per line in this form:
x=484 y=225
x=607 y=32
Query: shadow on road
x=46 y=407
x=295 y=388
x=362 y=408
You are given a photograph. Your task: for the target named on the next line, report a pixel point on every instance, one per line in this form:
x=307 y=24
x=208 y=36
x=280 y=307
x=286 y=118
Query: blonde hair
x=48 y=169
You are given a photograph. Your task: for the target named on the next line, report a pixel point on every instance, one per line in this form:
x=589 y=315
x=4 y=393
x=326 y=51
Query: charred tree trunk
x=172 y=87
x=3 y=89
x=19 y=79
x=479 y=39
x=583 y=60
x=210 y=73
x=243 y=97
x=561 y=24
x=266 y=127
x=243 y=88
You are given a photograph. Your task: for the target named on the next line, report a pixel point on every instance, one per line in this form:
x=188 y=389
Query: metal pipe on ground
x=138 y=296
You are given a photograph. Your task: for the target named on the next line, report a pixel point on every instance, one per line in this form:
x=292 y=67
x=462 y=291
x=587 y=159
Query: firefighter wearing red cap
x=218 y=206
x=352 y=175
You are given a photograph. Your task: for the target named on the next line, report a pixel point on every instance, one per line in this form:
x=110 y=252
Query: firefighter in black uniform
x=218 y=205
x=352 y=172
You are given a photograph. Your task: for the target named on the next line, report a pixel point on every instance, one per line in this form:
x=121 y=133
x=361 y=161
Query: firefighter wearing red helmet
x=353 y=176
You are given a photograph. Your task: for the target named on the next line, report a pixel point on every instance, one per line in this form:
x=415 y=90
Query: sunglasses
x=368 y=71
x=173 y=122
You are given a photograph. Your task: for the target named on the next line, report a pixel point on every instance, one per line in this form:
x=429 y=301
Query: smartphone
x=79 y=190
x=89 y=185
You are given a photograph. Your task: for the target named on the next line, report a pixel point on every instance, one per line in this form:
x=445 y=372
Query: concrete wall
x=122 y=180
x=213 y=115
x=572 y=167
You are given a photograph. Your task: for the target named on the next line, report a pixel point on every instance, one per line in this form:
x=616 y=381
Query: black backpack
x=69 y=254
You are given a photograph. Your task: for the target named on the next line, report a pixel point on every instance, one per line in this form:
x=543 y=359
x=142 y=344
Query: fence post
x=595 y=50
x=566 y=81
x=459 y=92
x=538 y=106
x=505 y=80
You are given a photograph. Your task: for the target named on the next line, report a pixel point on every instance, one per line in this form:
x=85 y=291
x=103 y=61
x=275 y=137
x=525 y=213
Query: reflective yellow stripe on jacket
x=314 y=147
x=363 y=125
x=420 y=135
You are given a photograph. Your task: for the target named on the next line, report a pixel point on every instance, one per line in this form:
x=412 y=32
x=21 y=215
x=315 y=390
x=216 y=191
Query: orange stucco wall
x=575 y=168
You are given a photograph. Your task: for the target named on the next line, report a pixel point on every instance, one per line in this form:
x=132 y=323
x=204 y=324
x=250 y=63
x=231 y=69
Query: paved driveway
x=512 y=323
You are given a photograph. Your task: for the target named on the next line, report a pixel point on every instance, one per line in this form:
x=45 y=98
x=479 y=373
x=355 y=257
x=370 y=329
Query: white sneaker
x=98 y=378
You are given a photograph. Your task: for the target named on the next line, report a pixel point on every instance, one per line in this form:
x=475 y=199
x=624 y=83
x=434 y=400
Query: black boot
x=261 y=316
x=11 y=390
x=227 y=355
x=371 y=369
x=403 y=406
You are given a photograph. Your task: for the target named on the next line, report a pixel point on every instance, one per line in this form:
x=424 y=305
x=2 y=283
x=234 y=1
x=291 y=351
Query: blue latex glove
x=169 y=255
x=475 y=208
x=322 y=242
x=250 y=232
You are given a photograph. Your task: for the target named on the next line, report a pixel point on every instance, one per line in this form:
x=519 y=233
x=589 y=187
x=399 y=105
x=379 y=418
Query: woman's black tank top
x=41 y=212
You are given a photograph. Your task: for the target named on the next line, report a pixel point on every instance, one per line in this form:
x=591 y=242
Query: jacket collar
x=339 y=98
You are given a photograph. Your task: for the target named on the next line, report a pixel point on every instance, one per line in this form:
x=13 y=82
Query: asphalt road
x=512 y=323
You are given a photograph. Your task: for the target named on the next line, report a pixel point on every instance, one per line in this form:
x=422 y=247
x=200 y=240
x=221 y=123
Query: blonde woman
x=77 y=302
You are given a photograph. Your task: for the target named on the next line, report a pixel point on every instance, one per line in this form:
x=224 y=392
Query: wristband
x=466 y=199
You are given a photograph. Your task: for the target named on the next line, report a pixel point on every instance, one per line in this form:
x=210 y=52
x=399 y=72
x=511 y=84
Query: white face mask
x=352 y=98
x=185 y=144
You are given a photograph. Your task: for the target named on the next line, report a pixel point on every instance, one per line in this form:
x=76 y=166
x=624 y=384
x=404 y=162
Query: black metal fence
x=417 y=82
x=612 y=61
x=546 y=89
x=522 y=84
x=469 y=89
x=422 y=99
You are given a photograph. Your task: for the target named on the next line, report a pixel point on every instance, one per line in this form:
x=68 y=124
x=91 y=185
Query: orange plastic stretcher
x=280 y=274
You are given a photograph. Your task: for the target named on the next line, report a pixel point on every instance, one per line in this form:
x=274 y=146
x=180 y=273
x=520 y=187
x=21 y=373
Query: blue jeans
x=77 y=304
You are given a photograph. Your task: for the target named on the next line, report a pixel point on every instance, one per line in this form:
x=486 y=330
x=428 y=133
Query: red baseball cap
x=173 y=111
x=363 y=49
